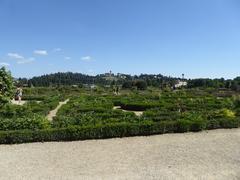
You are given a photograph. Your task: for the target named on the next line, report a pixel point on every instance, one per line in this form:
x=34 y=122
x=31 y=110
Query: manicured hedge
x=107 y=131
x=82 y=133
x=34 y=123
x=138 y=106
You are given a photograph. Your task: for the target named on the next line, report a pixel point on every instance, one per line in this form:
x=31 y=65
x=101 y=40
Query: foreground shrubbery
x=10 y=111
x=109 y=131
x=30 y=116
x=31 y=123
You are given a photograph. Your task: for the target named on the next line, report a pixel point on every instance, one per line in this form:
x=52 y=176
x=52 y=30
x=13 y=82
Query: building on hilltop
x=180 y=84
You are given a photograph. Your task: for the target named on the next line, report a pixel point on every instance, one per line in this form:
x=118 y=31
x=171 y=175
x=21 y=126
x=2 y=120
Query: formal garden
x=91 y=114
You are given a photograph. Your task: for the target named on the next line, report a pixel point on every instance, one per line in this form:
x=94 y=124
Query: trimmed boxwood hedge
x=137 y=106
x=108 y=131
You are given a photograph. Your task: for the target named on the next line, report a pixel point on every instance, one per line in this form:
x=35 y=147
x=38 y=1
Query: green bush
x=85 y=132
x=213 y=124
x=33 y=123
x=138 y=106
x=229 y=123
x=183 y=125
x=105 y=131
x=198 y=125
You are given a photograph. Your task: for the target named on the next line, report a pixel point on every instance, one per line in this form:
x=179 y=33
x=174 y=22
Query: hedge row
x=32 y=123
x=110 y=131
x=138 y=106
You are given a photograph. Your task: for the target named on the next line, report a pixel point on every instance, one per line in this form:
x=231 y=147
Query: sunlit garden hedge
x=111 y=130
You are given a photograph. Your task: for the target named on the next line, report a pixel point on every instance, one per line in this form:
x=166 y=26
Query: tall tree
x=6 y=86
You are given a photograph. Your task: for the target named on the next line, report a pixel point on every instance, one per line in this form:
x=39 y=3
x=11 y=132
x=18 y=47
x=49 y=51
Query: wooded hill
x=70 y=78
x=127 y=81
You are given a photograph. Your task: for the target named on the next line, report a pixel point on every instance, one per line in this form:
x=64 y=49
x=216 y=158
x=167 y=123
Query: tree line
x=69 y=78
x=233 y=84
x=127 y=81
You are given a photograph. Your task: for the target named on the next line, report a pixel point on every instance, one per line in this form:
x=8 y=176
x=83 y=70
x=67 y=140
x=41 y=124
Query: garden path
x=137 y=113
x=53 y=113
x=17 y=102
x=21 y=103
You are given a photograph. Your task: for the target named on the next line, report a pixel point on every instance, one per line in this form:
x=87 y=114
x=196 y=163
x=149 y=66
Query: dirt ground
x=18 y=103
x=21 y=103
x=211 y=155
x=53 y=113
x=137 y=113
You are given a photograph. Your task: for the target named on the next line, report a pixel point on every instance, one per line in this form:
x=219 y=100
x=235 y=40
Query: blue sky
x=200 y=38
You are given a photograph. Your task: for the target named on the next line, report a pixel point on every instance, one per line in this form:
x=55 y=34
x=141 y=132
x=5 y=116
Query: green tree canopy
x=6 y=86
x=141 y=85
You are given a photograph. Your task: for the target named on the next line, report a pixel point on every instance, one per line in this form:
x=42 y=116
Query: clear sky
x=200 y=38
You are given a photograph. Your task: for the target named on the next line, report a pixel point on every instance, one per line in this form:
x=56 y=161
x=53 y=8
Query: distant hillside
x=70 y=78
x=128 y=81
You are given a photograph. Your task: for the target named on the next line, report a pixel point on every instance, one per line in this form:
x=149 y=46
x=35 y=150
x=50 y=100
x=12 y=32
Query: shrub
x=213 y=124
x=127 y=85
x=229 y=123
x=141 y=106
x=84 y=132
x=183 y=125
x=72 y=133
x=141 y=85
x=32 y=123
x=225 y=113
x=198 y=125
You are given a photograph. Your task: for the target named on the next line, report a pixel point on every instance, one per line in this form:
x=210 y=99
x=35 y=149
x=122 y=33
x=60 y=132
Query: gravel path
x=53 y=113
x=16 y=102
x=21 y=103
x=137 y=113
x=213 y=155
